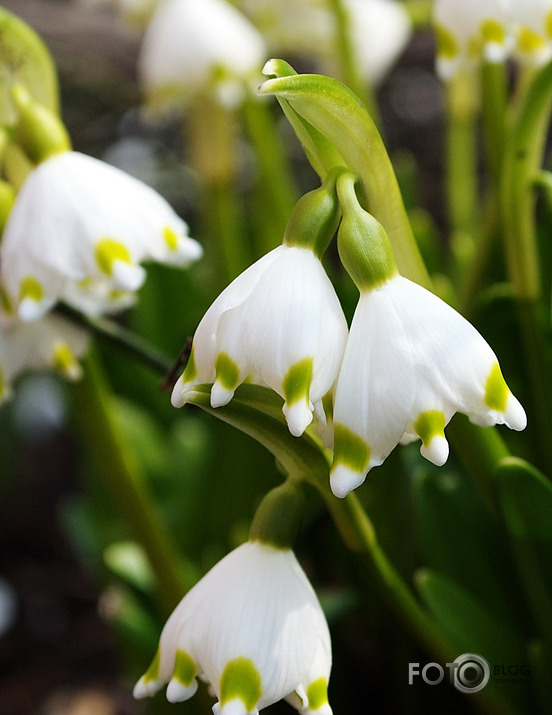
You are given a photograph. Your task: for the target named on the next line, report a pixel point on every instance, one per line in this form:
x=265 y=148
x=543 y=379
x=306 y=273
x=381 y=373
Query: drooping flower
x=49 y=343
x=198 y=46
x=78 y=232
x=253 y=628
x=469 y=32
x=278 y=324
x=410 y=363
x=532 y=20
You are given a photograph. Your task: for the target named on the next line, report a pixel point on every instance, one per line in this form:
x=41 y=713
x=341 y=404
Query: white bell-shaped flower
x=254 y=630
x=198 y=46
x=50 y=343
x=278 y=324
x=469 y=32
x=78 y=232
x=532 y=21
x=411 y=361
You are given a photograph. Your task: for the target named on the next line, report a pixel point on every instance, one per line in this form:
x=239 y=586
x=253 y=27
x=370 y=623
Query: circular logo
x=472 y=673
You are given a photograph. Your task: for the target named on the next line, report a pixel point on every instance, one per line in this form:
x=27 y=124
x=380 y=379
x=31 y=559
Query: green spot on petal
x=228 y=373
x=184 y=668
x=317 y=693
x=350 y=449
x=548 y=24
x=296 y=384
x=529 y=41
x=493 y=31
x=152 y=673
x=63 y=359
x=171 y=239
x=190 y=371
x=31 y=288
x=108 y=251
x=496 y=390
x=241 y=679
x=429 y=424
x=446 y=42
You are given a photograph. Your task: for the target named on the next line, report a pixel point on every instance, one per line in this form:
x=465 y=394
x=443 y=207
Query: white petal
x=177 y=692
x=127 y=276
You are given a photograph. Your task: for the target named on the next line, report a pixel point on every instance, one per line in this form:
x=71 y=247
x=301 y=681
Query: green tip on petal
x=317 y=694
x=496 y=390
x=241 y=680
x=227 y=379
x=278 y=516
x=430 y=428
x=107 y=252
x=364 y=247
x=296 y=387
x=351 y=461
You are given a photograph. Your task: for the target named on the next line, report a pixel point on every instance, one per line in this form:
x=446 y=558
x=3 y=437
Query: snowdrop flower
x=410 y=363
x=78 y=231
x=254 y=630
x=193 y=46
x=50 y=343
x=278 y=324
x=533 y=30
x=470 y=31
x=252 y=627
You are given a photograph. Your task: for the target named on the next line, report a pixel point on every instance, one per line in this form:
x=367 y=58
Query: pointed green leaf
x=337 y=113
x=525 y=500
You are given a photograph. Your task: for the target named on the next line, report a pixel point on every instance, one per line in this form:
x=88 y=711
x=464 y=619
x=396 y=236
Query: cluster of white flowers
x=470 y=31
x=408 y=363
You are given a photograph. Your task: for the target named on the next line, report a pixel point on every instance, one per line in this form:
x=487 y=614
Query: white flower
x=79 y=230
x=410 y=363
x=279 y=324
x=253 y=628
x=470 y=31
x=193 y=46
x=380 y=30
x=533 y=25
x=50 y=343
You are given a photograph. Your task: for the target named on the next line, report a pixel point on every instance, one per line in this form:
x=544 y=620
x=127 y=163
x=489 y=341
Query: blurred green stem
x=123 y=482
x=346 y=54
x=276 y=178
x=211 y=134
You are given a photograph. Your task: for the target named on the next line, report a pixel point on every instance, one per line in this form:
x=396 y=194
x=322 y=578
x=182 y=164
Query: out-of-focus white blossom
x=198 y=46
x=532 y=22
x=79 y=230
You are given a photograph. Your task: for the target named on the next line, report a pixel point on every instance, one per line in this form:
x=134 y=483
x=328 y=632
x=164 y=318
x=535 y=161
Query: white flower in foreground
x=411 y=361
x=78 y=231
x=533 y=29
x=253 y=628
x=50 y=343
x=470 y=31
x=279 y=324
x=193 y=46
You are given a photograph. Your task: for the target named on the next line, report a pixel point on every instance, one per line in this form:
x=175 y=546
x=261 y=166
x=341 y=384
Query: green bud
x=38 y=130
x=364 y=247
x=278 y=517
x=315 y=217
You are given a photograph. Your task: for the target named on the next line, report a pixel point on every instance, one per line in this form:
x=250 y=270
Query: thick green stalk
x=124 y=483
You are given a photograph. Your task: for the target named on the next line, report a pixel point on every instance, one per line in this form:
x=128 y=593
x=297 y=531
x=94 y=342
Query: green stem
x=523 y=158
x=123 y=482
x=211 y=134
x=461 y=162
x=276 y=178
x=109 y=331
